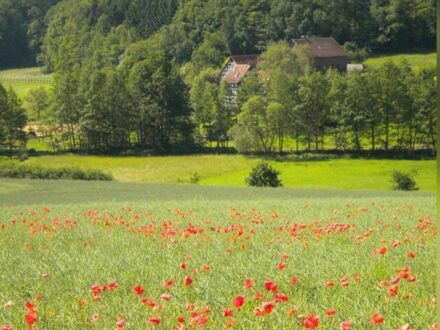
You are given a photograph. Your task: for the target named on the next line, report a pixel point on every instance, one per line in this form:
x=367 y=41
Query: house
x=236 y=69
x=326 y=53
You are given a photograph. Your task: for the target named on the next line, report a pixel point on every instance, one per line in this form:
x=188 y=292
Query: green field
x=417 y=61
x=231 y=170
x=63 y=243
x=23 y=80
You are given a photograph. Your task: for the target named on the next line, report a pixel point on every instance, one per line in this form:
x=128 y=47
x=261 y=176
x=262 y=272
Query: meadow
x=231 y=170
x=24 y=79
x=418 y=61
x=111 y=255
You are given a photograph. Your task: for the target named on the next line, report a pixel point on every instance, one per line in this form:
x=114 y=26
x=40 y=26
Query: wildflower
x=392 y=290
x=294 y=280
x=165 y=297
x=154 y=320
x=346 y=325
x=138 y=289
x=311 y=322
x=330 y=312
x=411 y=254
x=270 y=286
x=228 y=313
x=239 y=301
x=168 y=284
x=376 y=319
x=248 y=283
x=187 y=281
x=281 y=266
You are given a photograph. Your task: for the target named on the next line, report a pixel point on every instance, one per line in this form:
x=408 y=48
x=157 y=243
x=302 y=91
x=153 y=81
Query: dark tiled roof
x=323 y=47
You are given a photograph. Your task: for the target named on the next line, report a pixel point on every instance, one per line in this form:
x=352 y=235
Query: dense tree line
x=97 y=106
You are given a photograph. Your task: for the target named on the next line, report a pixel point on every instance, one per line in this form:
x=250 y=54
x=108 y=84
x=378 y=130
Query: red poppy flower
x=270 y=286
x=376 y=319
x=411 y=254
x=165 y=297
x=281 y=297
x=294 y=280
x=168 y=284
x=154 y=320
x=138 y=289
x=346 y=325
x=344 y=281
x=330 y=284
x=228 y=313
x=268 y=307
x=330 y=312
x=311 y=322
x=239 y=301
x=120 y=324
x=31 y=318
x=6 y=326
x=281 y=266
x=392 y=290
x=188 y=281
x=248 y=283
x=30 y=307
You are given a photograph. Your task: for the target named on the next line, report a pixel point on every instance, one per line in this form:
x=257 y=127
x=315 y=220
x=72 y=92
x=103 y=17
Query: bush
x=194 y=178
x=14 y=170
x=404 y=181
x=263 y=175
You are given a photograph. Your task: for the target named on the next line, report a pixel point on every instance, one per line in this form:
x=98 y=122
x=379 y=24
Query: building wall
x=338 y=63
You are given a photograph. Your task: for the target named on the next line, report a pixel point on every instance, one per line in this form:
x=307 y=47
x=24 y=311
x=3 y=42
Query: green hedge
x=11 y=169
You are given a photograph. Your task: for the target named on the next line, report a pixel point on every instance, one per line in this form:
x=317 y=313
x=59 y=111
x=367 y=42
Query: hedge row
x=16 y=170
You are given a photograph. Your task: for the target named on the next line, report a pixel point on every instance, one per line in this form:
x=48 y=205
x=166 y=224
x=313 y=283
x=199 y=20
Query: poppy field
x=329 y=262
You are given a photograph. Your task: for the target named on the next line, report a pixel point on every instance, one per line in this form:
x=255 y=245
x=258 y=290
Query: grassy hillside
x=231 y=170
x=63 y=243
x=417 y=61
x=25 y=79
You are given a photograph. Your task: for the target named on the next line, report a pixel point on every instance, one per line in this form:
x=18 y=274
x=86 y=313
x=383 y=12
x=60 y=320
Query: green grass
x=231 y=170
x=417 y=61
x=58 y=238
x=23 y=80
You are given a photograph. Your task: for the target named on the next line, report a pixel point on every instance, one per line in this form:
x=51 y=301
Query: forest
x=144 y=73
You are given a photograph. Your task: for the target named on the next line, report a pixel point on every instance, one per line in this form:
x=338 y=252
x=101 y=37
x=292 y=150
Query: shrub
x=404 y=181
x=263 y=175
x=194 y=178
x=14 y=170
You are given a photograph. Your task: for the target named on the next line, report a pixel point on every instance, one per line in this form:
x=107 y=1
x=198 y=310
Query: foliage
x=404 y=181
x=12 y=121
x=37 y=103
x=263 y=175
x=16 y=170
